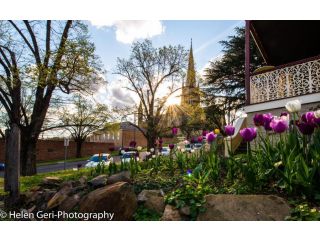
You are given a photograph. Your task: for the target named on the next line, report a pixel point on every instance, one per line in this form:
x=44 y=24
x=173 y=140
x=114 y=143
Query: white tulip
x=151 y=149
x=153 y=156
x=317 y=113
x=183 y=149
x=293 y=106
x=148 y=153
x=178 y=147
x=139 y=148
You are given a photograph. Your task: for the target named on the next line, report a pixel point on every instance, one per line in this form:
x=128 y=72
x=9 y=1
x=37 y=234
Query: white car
x=127 y=156
x=197 y=146
x=165 y=151
x=96 y=158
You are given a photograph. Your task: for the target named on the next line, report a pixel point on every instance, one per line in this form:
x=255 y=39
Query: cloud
x=128 y=31
x=114 y=95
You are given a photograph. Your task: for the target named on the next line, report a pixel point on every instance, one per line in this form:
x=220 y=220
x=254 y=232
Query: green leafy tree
x=225 y=77
x=85 y=118
x=39 y=59
x=146 y=70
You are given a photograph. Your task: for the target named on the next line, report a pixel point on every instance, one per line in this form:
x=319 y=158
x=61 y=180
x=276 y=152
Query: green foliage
x=145 y=214
x=224 y=78
x=190 y=193
x=303 y=212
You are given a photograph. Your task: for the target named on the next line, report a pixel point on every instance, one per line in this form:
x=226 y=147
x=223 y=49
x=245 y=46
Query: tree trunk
x=79 y=148
x=28 y=153
x=151 y=139
x=12 y=167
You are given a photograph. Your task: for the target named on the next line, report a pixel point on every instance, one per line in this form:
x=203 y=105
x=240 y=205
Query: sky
x=113 y=40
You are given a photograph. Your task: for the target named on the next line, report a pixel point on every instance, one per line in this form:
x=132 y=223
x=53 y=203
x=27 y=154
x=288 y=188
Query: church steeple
x=191 y=74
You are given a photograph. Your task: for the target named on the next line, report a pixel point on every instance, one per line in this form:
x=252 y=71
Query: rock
x=226 y=207
x=171 y=214
x=83 y=180
x=48 y=194
x=185 y=211
x=69 y=203
x=152 y=199
x=99 y=181
x=33 y=197
x=51 y=182
x=59 y=197
x=119 y=177
x=118 y=198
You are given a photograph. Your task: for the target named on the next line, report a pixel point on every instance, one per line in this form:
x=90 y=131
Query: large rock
x=119 y=177
x=118 y=198
x=99 y=181
x=59 y=197
x=69 y=203
x=171 y=214
x=51 y=182
x=226 y=207
x=152 y=199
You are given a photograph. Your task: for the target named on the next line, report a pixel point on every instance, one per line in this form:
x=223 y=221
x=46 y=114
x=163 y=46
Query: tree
x=37 y=60
x=146 y=71
x=192 y=120
x=225 y=77
x=85 y=119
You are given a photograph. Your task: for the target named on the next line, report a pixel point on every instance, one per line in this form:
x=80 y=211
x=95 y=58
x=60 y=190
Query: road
x=60 y=166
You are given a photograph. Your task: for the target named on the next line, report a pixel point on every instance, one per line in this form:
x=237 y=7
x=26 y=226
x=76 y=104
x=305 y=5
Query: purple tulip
x=132 y=143
x=279 y=125
x=308 y=117
x=200 y=138
x=192 y=140
x=211 y=137
x=306 y=128
x=171 y=146
x=316 y=122
x=174 y=131
x=204 y=133
x=160 y=141
x=258 y=119
x=267 y=118
x=248 y=134
x=229 y=130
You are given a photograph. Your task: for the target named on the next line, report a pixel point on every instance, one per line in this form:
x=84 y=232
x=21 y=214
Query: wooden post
x=12 y=165
x=247 y=62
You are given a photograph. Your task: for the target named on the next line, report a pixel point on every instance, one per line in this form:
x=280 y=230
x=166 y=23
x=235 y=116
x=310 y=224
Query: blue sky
x=113 y=39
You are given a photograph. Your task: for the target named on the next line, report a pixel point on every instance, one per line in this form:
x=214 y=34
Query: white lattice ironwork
x=286 y=82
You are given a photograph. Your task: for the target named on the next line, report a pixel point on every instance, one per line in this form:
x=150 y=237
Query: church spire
x=191 y=74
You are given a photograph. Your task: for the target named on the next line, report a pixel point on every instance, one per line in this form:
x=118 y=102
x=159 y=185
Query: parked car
x=165 y=151
x=127 y=149
x=2 y=166
x=188 y=147
x=96 y=158
x=127 y=156
x=197 y=146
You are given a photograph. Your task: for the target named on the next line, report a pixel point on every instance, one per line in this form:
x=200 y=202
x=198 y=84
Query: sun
x=174 y=99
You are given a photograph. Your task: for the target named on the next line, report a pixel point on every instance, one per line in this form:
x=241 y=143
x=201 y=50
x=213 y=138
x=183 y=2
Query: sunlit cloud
x=128 y=31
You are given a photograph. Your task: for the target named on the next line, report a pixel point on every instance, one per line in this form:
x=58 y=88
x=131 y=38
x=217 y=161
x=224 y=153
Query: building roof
x=285 y=41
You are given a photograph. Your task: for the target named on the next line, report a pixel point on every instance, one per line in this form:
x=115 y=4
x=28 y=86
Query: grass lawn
x=62 y=160
x=30 y=181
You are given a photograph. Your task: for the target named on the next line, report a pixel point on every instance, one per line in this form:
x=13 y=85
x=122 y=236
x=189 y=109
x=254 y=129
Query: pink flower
x=211 y=137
